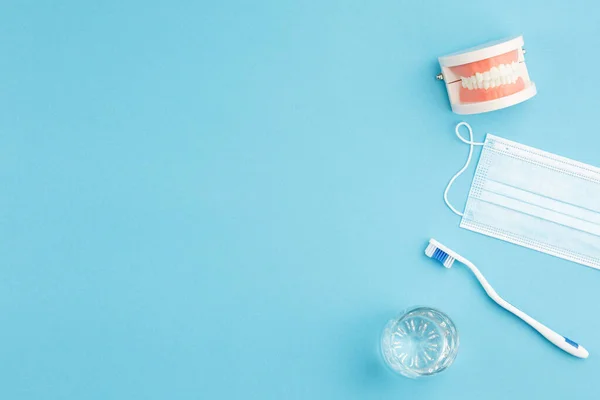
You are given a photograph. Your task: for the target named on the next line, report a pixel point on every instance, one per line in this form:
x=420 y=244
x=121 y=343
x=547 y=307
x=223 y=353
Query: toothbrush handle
x=558 y=340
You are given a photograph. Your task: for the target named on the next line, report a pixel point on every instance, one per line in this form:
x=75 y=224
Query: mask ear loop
x=471 y=144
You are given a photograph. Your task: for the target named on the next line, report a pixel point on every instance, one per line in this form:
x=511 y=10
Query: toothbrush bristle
x=432 y=251
x=449 y=261
x=429 y=250
x=440 y=255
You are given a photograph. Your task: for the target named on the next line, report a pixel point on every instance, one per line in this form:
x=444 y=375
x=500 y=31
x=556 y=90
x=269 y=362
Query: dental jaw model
x=487 y=77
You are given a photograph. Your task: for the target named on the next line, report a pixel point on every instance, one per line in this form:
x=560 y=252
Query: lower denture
x=478 y=95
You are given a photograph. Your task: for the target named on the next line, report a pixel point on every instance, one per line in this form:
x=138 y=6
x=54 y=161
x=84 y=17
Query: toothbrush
x=447 y=257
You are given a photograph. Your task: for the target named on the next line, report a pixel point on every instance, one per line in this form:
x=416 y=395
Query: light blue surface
x=227 y=200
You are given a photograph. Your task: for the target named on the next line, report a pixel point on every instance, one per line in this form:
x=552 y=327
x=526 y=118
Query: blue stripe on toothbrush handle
x=572 y=343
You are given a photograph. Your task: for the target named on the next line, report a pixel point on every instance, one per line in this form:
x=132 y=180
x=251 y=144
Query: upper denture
x=482 y=66
x=503 y=74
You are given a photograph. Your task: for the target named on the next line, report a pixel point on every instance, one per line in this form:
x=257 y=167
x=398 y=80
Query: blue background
x=226 y=200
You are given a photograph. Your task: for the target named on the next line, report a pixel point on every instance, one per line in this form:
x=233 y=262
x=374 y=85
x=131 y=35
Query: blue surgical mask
x=534 y=199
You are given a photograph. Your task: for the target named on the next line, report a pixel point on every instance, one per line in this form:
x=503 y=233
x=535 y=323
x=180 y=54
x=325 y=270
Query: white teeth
x=503 y=74
x=494 y=72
